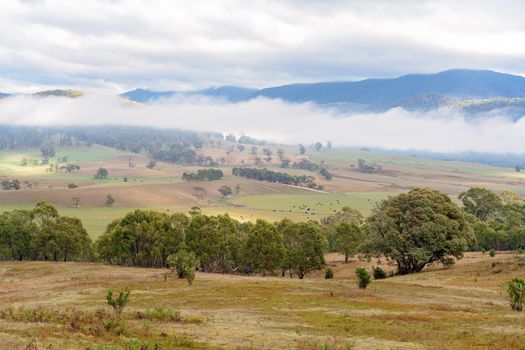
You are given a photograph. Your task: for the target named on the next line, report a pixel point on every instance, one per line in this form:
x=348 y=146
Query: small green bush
x=184 y=264
x=516 y=293
x=329 y=274
x=119 y=303
x=363 y=277
x=379 y=273
x=492 y=253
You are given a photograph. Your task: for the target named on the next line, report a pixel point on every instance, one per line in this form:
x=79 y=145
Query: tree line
x=220 y=243
x=274 y=176
x=411 y=230
x=203 y=175
x=43 y=234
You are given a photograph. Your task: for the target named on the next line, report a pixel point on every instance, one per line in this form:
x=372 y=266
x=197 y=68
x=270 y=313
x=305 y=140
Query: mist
x=441 y=131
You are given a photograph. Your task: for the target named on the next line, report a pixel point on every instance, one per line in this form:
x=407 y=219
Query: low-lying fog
x=443 y=131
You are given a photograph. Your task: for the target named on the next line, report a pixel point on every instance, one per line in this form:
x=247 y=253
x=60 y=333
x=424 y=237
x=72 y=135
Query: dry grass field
x=459 y=308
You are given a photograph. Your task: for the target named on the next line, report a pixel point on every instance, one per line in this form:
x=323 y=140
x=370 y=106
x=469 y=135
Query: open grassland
x=460 y=308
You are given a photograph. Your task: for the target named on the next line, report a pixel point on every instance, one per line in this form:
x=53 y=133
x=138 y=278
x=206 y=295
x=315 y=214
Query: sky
x=105 y=47
x=117 y=45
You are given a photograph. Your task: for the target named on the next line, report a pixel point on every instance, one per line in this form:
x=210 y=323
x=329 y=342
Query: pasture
x=463 y=307
x=161 y=188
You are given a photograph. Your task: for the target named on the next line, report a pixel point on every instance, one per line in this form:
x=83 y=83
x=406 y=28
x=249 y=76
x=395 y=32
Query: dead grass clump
x=451 y=308
x=159 y=314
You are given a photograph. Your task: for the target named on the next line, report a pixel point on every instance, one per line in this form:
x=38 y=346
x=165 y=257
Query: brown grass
x=459 y=308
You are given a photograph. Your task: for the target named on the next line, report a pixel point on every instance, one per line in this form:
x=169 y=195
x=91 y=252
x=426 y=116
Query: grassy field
x=161 y=188
x=320 y=204
x=460 y=308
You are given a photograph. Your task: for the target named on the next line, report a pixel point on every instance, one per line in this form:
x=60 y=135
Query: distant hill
x=387 y=93
x=483 y=90
x=3 y=95
x=144 y=95
x=62 y=93
x=228 y=93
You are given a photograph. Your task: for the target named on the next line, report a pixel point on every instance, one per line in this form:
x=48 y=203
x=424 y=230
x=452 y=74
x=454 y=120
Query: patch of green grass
x=320 y=204
x=10 y=160
x=348 y=157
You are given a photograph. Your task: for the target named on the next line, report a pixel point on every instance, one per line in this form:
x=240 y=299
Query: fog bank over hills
x=441 y=131
x=459 y=114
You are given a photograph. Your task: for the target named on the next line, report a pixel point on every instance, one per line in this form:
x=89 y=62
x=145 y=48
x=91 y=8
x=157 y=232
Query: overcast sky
x=168 y=44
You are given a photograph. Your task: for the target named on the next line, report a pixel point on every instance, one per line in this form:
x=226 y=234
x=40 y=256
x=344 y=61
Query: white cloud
x=274 y=120
x=178 y=43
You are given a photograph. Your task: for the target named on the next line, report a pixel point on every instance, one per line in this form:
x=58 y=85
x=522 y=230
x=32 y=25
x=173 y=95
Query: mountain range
x=471 y=91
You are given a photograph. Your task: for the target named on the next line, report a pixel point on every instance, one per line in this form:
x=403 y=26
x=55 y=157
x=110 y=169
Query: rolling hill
x=228 y=93
x=386 y=93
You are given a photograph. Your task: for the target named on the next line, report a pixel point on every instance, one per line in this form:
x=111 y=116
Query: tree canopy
x=418 y=228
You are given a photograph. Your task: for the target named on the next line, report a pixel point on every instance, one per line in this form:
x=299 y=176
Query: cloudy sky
x=169 y=44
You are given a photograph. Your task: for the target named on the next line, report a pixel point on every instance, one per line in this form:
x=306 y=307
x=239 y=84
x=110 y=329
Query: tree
x=231 y=138
x=142 y=238
x=417 y=228
x=101 y=173
x=302 y=149
x=120 y=302
x=48 y=149
x=326 y=174
x=110 y=200
x=363 y=277
x=481 y=203
x=304 y=245
x=264 y=248
x=151 y=164
x=76 y=202
x=241 y=148
x=516 y=293
x=184 y=264
x=348 y=237
x=318 y=146
x=16 y=233
x=225 y=191
x=328 y=144
x=215 y=240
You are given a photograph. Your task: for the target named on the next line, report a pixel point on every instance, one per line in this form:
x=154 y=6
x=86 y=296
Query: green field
x=320 y=204
x=10 y=160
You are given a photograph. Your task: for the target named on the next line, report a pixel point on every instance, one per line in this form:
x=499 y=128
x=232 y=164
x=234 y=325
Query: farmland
x=161 y=188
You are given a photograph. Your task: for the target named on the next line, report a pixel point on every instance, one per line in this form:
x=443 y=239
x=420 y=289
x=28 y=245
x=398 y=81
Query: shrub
x=379 y=273
x=363 y=277
x=159 y=314
x=184 y=264
x=492 y=253
x=329 y=274
x=516 y=293
x=119 y=303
